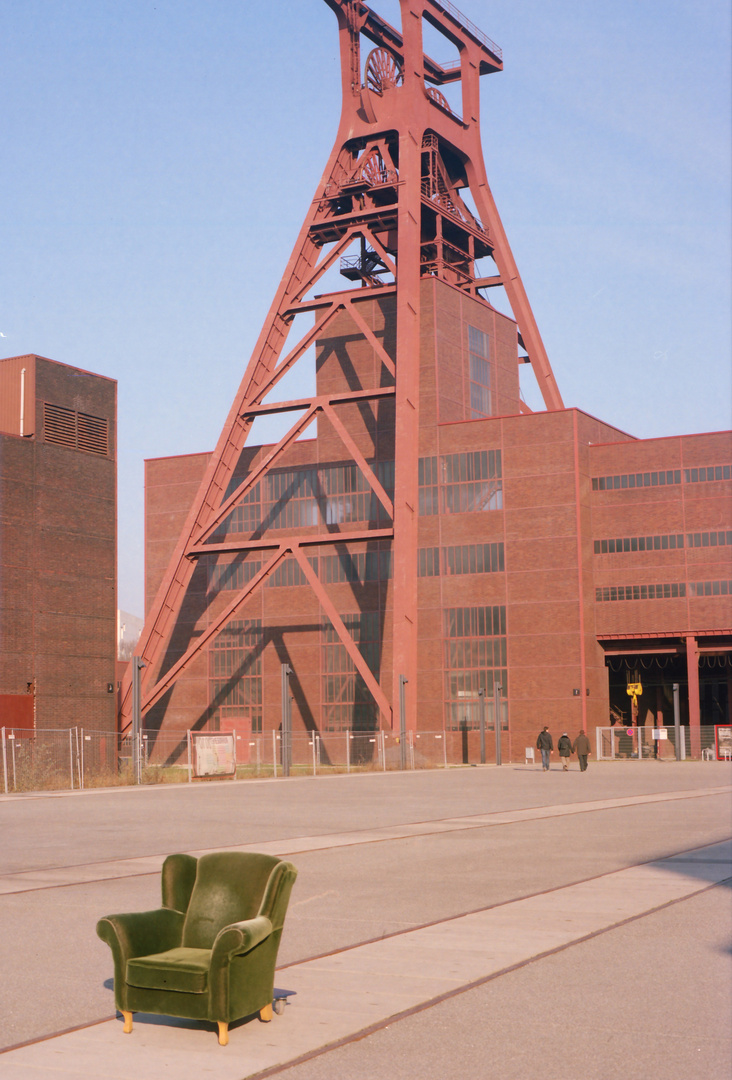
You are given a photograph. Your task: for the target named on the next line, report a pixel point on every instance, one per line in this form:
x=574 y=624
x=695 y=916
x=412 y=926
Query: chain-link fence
x=656 y=744
x=77 y=758
x=57 y=760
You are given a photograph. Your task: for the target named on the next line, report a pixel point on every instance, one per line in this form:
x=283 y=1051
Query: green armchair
x=209 y=952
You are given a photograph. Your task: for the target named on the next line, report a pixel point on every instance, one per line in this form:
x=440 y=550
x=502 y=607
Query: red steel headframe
x=397 y=136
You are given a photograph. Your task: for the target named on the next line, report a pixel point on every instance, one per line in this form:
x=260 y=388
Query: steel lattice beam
x=390 y=124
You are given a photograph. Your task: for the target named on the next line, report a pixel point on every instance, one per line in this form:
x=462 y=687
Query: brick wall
x=58 y=598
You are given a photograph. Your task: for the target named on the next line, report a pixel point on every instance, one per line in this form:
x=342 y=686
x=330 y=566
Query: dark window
x=233 y=575
x=710 y=472
x=289 y=573
x=475 y=659
x=640 y=543
x=473 y=559
x=347 y=702
x=460 y=483
x=710 y=588
x=641 y=592
x=235 y=673
x=709 y=539
x=634 y=480
x=429 y=562
x=480 y=374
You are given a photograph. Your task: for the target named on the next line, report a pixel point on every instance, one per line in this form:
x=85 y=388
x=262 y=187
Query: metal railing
x=77 y=758
x=465 y=22
x=638 y=743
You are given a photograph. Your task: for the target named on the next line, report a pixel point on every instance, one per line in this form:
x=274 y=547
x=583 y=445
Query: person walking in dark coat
x=546 y=745
x=564 y=746
x=581 y=747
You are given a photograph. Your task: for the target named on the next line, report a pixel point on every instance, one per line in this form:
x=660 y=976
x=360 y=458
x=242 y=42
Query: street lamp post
x=497 y=719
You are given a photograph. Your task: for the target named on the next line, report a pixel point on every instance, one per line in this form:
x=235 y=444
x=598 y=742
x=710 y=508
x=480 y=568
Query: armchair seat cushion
x=183 y=969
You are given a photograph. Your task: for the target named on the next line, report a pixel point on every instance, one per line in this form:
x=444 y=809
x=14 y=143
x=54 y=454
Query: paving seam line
x=379 y=1025
x=455 y=824
x=528 y=896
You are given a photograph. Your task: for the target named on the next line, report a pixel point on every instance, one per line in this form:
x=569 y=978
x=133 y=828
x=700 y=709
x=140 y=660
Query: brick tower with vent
x=58 y=545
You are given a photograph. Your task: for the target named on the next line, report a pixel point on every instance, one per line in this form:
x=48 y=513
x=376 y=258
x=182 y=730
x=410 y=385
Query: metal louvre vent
x=59 y=425
x=78 y=431
x=91 y=434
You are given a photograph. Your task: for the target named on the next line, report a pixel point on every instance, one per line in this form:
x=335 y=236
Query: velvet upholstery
x=209 y=952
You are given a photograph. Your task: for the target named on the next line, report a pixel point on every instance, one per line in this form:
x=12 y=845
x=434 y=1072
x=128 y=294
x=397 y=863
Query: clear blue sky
x=158 y=159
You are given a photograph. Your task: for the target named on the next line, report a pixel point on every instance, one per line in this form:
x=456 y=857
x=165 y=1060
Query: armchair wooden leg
x=223 y=1032
x=265 y=1014
x=128 y=1021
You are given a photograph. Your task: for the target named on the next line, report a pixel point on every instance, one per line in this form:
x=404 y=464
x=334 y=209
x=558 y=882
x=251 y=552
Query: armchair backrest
x=230 y=886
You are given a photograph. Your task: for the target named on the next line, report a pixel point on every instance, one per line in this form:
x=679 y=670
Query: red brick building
x=58 y=544
x=558 y=556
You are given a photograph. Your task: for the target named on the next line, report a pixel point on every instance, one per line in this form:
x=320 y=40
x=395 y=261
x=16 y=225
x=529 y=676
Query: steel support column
x=692 y=671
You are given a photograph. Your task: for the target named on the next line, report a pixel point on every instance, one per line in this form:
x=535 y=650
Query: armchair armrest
x=140 y=933
x=238 y=938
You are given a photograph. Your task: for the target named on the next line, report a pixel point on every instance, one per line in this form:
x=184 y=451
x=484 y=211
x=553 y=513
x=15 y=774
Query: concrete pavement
x=654 y=839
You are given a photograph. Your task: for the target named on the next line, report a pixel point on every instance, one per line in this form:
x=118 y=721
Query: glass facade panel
x=666 y=591
x=668 y=542
x=709 y=472
x=709 y=539
x=636 y=480
x=300 y=498
x=462 y=483
x=235 y=673
x=475 y=659
x=347 y=703
x=480 y=374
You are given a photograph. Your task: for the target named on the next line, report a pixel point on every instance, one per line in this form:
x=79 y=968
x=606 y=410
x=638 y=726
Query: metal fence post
x=5 y=763
x=383 y=750
x=274 y=752
x=348 y=751
x=190 y=761
x=78 y=758
x=481 y=709
x=82 y=759
x=444 y=745
x=315 y=755
x=71 y=758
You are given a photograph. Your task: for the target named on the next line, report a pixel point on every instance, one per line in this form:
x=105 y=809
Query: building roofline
x=59 y=363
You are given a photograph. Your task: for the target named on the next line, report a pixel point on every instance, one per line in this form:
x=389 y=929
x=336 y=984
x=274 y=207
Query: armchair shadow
x=209 y=952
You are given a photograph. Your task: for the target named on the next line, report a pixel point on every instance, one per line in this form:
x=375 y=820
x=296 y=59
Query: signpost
x=214 y=755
